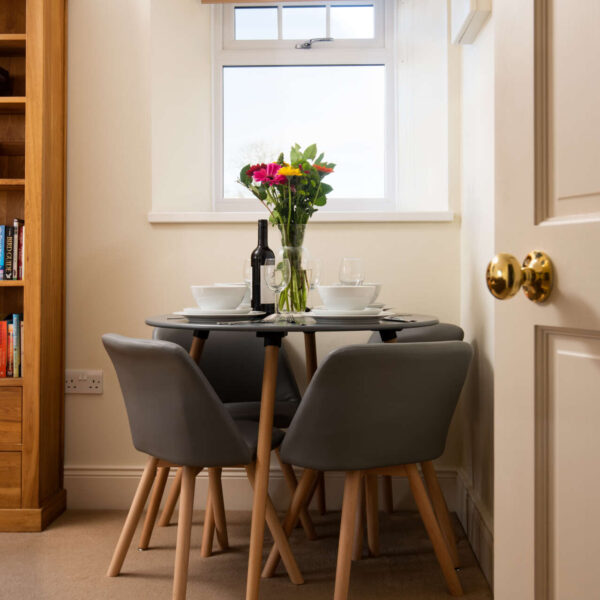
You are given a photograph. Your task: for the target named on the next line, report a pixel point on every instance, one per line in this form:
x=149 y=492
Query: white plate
x=330 y=313
x=379 y=305
x=196 y=313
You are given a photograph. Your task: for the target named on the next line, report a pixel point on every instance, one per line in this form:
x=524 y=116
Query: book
x=17 y=225
x=21 y=254
x=8 y=252
x=9 y=348
x=21 y=370
x=2 y=244
x=3 y=348
x=16 y=322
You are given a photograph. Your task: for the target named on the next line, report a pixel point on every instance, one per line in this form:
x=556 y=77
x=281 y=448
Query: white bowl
x=346 y=297
x=218 y=296
x=377 y=290
x=246 y=286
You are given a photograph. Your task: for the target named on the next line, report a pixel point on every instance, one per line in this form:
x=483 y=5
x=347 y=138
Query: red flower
x=323 y=169
x=268 y=174
x=255 y=168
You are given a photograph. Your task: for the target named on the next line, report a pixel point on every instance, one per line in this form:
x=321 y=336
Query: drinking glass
x=277 y=274
x=352 y=271
x=248 y=281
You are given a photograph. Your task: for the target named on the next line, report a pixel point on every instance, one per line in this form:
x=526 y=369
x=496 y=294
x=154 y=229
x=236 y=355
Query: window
x=210 y=89
x=271 y=91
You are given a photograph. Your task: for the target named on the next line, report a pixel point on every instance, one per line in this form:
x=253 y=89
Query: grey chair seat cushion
x=249 y=433
x=250 y=411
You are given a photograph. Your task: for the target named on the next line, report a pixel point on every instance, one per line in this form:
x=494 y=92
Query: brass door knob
x=504 y=276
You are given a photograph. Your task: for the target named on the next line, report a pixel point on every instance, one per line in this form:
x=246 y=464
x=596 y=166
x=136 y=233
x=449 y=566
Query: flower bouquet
x=292 y=192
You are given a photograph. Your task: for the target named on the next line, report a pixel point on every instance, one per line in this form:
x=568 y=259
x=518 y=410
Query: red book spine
x=3 y=348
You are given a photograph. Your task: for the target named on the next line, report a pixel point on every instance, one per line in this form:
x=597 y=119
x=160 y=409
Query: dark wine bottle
x=262 y=297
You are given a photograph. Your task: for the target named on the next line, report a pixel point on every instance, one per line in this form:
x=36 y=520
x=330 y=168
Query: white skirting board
x=105 y=488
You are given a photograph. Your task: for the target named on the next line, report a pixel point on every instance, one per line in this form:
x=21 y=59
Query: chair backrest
x=378 y=405
x=174 y=414
x=442 y=332
x=233 y=363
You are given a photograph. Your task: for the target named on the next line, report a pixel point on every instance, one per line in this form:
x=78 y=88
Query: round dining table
x=273 y=333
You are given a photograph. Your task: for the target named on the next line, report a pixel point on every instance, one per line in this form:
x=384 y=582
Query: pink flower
x=269 y=175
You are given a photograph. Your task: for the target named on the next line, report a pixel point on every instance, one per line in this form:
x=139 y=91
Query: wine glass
x=313 y=274
x=352 y=271
x=248 y=281
x=277 y=274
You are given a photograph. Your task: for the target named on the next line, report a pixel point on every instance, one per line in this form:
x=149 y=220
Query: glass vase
x=294 y=298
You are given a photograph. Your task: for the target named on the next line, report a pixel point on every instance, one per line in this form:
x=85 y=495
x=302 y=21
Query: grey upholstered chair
x=233 y=364
x=378 y=409
x=442 y=332
x=177 y=419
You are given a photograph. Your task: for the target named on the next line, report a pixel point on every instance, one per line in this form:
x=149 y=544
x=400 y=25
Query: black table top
x=176 y=322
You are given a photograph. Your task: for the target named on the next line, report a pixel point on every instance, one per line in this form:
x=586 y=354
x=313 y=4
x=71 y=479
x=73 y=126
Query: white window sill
x=320 y=217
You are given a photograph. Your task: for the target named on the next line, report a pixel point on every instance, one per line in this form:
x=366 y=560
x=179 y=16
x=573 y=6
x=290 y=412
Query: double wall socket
x=83 y=381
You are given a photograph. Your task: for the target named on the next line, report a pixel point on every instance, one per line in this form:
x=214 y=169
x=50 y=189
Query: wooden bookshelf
x=32 y=187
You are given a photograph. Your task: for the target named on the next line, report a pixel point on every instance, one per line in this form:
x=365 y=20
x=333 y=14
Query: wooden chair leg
x=388 y=494
x=433 y=530
x=344 y=558
x=321 y=498
x=359 y=525
x=155 y=500
x=208 y=532
x=440 y=507
x=372 y=506
x=279 y=536
x=299 y=499
x=135 y=512
x=184 y=532
x=218 y=506
x=167 y=513
x=292 y=483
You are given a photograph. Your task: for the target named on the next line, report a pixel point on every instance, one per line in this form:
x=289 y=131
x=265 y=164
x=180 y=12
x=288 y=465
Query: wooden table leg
x=310 y=351
x=263 y=454
x=196 y=348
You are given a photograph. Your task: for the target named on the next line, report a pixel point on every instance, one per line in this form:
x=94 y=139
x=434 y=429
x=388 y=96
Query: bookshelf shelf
x=12 y=104
x=12 y=184
x=12 y=44
x=11 y=381
x=32 y=50
x=12 y=283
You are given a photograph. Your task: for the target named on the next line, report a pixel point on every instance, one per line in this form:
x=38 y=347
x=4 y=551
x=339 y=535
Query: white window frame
x=377 y=51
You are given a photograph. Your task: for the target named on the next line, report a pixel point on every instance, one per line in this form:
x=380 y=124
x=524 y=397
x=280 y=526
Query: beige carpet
x=69 y=561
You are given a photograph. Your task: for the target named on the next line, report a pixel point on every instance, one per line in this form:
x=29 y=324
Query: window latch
x=308 y=44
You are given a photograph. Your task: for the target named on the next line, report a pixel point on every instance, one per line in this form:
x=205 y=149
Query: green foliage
x=295 y=200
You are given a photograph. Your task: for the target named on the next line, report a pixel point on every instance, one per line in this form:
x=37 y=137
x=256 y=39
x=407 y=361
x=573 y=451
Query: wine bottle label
x=267 y=296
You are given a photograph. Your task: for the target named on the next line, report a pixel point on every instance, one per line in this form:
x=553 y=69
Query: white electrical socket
x=83 y=381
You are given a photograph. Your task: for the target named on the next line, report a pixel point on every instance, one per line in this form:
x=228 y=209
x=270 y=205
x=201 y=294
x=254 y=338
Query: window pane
x=304 y=22
x=352 y=22
x=256 y=23
x=340 y=108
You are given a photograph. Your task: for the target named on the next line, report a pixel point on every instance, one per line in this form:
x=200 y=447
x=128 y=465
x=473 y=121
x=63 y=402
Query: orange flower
x=323 y=169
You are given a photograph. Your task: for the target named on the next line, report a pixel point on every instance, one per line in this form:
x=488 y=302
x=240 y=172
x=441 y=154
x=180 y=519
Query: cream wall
x=121 y=269
x=475 y=414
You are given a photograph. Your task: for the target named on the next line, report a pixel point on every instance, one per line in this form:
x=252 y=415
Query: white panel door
x=547 y=356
